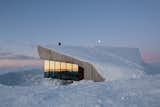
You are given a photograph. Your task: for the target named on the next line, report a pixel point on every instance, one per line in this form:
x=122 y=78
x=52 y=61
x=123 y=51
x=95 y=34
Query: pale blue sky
x=129 y=23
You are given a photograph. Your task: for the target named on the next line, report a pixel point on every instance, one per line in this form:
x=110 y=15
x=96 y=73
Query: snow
x=129 y=83
x=144 y=92
x=112 y=63
x=152 y=66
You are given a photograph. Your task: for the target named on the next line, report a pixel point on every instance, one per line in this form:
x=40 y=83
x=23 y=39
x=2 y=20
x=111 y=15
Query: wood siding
x=90 y=72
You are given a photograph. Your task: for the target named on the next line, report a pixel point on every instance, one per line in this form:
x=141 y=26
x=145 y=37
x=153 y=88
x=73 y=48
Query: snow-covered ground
x=141 y=92
x=130 y=84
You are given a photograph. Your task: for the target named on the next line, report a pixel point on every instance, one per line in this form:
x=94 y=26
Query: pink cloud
x=150 y=57
x=19 y=63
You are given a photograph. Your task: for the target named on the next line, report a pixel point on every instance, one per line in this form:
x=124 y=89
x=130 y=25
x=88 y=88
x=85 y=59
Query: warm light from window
x=69 y=67
x=46 y=65
x=75 y=67
x=55 y=66
x=63 y=66
x=51 y=65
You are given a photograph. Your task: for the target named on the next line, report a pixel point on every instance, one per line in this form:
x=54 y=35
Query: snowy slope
x=26 y=87
x=22 y=76
x=4 y=70
x=112 y=63
x=152 y=68
x=144 y=92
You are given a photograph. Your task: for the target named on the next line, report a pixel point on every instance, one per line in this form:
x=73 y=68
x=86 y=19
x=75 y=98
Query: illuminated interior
x=55 y=66
x=63 y=70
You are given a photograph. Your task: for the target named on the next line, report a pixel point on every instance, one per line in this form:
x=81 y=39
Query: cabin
x=97 y=63
x=60 y=66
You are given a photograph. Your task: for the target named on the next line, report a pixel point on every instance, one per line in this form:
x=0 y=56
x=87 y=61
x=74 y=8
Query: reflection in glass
x=55 y=66
x=46 y=65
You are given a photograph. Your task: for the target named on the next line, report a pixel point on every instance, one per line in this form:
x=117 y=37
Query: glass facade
x=55 y=66
x=62 y=70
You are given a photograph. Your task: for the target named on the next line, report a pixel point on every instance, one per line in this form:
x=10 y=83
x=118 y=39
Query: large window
x=46 y=66
x=55 y=66
x=63 y=70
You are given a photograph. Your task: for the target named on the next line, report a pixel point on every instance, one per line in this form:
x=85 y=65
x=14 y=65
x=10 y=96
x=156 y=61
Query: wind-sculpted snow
x=111 y=63
x=27 y=76
x=152 y=68
x=143 y=92
x=32 y=90
x=26 y=87
x=22 y=78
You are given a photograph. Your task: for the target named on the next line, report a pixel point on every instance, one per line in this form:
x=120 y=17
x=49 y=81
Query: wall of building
x=90 y=72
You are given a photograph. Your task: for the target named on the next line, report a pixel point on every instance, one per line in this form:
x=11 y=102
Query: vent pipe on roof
x=59 y=43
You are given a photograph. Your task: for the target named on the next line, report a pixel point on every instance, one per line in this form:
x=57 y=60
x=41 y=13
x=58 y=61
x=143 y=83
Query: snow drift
x=26 y=87
x=26 y=77
x=142 y=92
x=111 y=63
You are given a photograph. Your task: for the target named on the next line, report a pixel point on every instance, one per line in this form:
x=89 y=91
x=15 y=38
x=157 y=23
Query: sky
x=119 y=23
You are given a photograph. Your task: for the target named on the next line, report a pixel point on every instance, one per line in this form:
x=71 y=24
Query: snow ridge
x=112 y=63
